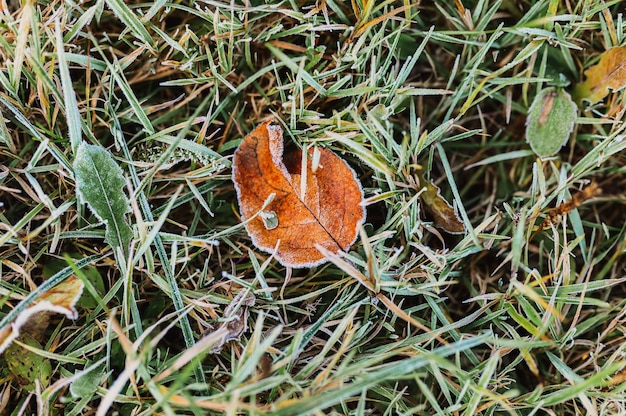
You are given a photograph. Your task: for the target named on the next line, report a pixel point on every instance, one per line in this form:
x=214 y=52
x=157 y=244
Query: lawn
x=149 y=263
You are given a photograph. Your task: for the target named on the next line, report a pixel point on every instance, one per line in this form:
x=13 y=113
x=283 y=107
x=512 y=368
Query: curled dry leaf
x=237 y=314
x=34 y=319
x=288 y=209
x=442 y=212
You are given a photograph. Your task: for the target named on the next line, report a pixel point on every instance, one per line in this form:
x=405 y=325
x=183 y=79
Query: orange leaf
x=326 y=209
x=34 y=319
x=610 y=72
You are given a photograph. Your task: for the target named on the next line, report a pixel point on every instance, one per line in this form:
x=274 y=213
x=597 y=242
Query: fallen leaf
x=550 y=121
x=287 y=215
x=92 y=275
x=442 y=212
x=34 y=319
x=237 y=314
x=27 y=366
x=609 y=73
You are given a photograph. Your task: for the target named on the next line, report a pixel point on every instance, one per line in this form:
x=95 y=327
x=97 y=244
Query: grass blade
x=69 y=96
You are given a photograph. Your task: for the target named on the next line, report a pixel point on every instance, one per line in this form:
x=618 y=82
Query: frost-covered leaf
x=88 y=381
x=315 y=200
x=609 y=73
x=91 y=273
x=100 y=184
x=34 y=319
x=550 y=121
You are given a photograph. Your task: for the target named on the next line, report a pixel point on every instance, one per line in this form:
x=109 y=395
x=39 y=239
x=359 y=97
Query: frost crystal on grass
x=151 y=154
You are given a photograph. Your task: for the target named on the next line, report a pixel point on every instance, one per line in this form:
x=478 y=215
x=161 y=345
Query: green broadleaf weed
x=100 y=184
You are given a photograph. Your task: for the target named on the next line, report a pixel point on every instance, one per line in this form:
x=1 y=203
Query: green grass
x=188 y=317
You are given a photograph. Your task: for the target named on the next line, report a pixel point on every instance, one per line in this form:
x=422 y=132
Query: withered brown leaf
x=325 y=208
x=34 y=319
x=441 y=210
x=608 y=74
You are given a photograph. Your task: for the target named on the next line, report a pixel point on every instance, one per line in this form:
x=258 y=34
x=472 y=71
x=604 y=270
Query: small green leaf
x=88 y=382
x=550 y=121
x=26 y=366
x=100 y=184
x=270 y=220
